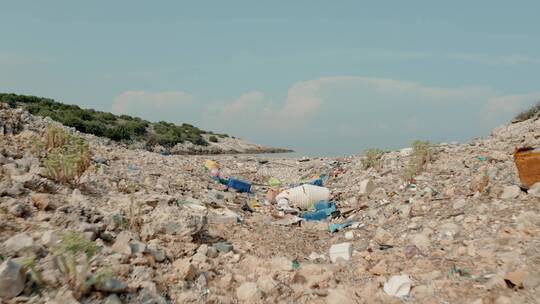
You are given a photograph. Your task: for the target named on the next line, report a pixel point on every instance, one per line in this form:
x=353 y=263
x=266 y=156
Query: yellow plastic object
x=211 y=165
x=274 y=182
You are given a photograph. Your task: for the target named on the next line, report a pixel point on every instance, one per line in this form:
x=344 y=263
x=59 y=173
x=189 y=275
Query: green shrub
x=528 y=114
x=118 y=133
x=372 y=158
x=213 y=139
x=119 y=128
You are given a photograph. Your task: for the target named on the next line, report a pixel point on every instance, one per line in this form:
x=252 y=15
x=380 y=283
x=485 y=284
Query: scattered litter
x=239 y=185
x=528 y=163
x=305 y=196
x=295 y=265
x=336 y=227
x=323 y=210
x=340 y=251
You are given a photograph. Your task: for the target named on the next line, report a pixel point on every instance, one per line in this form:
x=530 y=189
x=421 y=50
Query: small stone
x=349 y=235
x=42 y=201
x=534 y=190
x=517 y=277
x=398 y=286
x=460 y=203
x=158 y=254
x=212 y=253
x=137 y=247
x=510 y=192
x=12 y=279
x=122 y=245
x=18 y=209
x=382 y=237
x=267 y=284
x=496 y=282
x=112 y=285
x=223 y=247
x=281 y=264
x=20 y=243
x=203 y=249
x=421 y=241
x=249 y=292
x=185 y=269
x=65 y=296
x=340 y=251
x=50 y=238
x=113 y=299
x=380 y=269
x=199 y=258
x=503 y=300
x=340 y=296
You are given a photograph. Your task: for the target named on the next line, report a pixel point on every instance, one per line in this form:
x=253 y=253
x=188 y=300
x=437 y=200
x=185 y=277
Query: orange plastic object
x=528 y=164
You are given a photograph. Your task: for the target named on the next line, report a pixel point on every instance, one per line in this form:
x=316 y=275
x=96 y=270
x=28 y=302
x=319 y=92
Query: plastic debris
x=336 y=227
x=305 y=196
x=398 y=286
x=295 y=265
x=366 y=187
x=210 y=164
x=528 y=163
x=322 y=211
x=274 y=182
x=239 y=185
x=343 y=251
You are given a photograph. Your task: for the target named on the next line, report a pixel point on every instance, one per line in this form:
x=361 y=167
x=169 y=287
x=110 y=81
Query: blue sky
x=322 y=77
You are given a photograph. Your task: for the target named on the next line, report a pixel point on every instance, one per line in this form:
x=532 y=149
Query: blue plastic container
x=239 y=185
x=322 y=211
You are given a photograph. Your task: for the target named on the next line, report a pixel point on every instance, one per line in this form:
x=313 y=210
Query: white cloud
x=342 y=110
x=504 y=60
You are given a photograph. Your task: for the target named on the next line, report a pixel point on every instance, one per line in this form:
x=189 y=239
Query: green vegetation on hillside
x=119 y=128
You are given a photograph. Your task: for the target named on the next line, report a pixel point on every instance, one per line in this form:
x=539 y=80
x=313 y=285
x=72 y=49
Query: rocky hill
x=140 y=227
x=135 y=132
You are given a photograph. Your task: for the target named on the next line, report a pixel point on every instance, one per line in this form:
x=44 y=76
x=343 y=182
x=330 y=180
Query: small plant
x=372 y=158
x=56 y=137
x=528 y=114
x=30 y=265
x=67 y=157
x=213 y=139
x=422 y=154
x=74 y=255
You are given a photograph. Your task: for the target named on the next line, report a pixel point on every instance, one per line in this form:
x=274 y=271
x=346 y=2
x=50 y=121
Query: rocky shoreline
x=161 y=229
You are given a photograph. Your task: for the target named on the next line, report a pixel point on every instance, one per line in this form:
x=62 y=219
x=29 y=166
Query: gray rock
x=12 y=279
x=534 y=190
x=173 y=221
x=113 y=285
x=20 y=243
x=223 y=247
x=113 y=299
x=212 y=252
x=510 y=192
x=249 y=292
x=122 y=243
